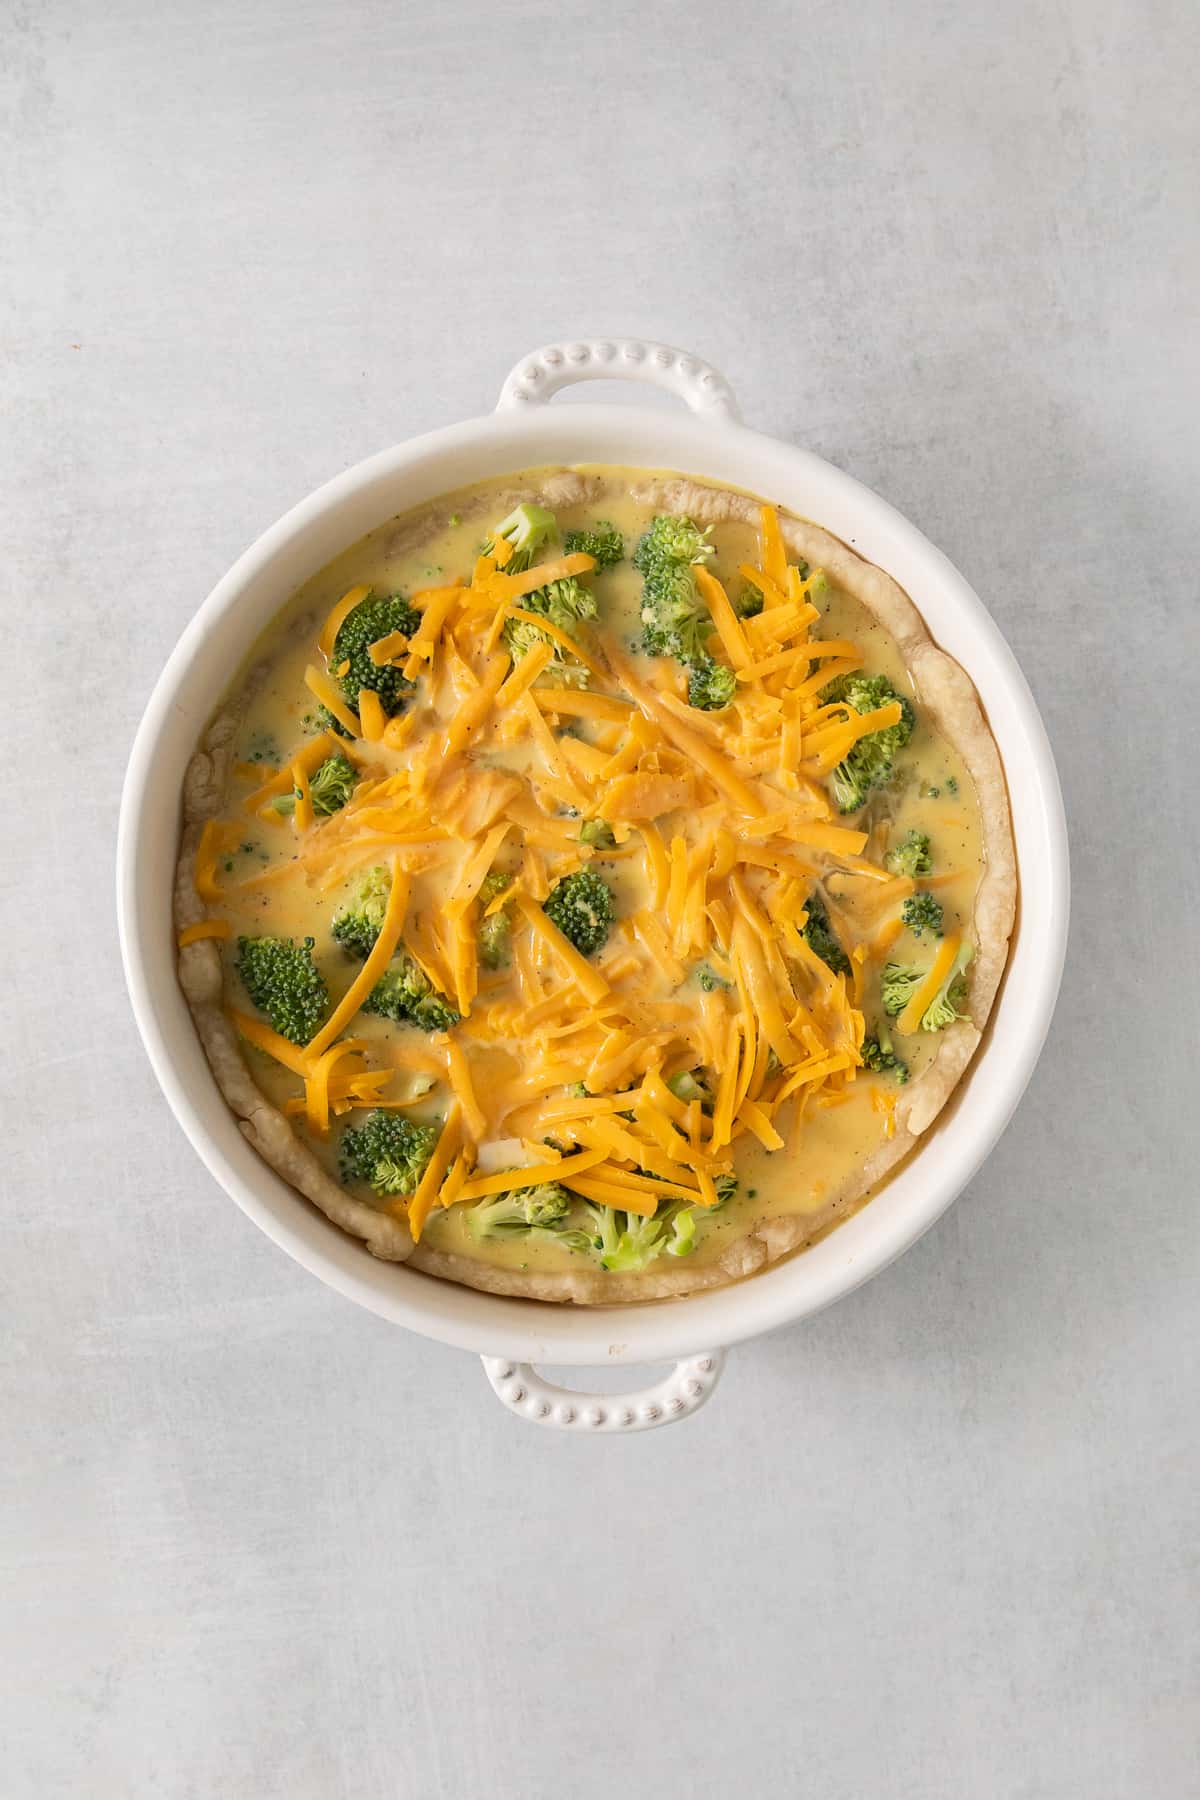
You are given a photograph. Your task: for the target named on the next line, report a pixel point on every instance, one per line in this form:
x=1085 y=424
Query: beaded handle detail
x=682 y=1392
x=539 y=376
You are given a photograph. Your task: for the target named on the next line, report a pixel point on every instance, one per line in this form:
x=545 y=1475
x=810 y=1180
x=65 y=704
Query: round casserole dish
x=707 y=440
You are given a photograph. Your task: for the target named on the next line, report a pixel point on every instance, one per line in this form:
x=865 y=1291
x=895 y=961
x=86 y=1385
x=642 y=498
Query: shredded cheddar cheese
x=327 y=693
x=204 y=928
x=924 y=996
x=338 y=617
x=373 y=967
x=711 y=1021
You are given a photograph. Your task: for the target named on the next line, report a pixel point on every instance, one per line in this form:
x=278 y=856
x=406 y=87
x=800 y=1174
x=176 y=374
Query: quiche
x=594 y=885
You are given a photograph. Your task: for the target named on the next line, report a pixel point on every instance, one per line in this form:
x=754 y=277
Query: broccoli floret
x=528 y=528
x=388 y=1151
x=403 y=992
x=601 y=540
x=356 y=927
x=708 y=978
x=519 y=1210
x=900 y=981
x=911 y=855
x=494 y=931
x=533 y=1212
x=683 y=1232
x=283 y=981
x=627 y=1241
x=578 y=1090
x=675 y=620
x=685 y=1087
x=373 y=618
x=922 y=913
x=749 y=603
x=562 y=671
x=598 y=833
x=332 y=784
x=949 y=1003
x=671 y=538
x=405 y=995
x=582 y=907
x=321 y=719
x=877 y=1054
x=869 y=763
x=711 y=685
x=897 y=985
x=566 y=604
x=822 y=939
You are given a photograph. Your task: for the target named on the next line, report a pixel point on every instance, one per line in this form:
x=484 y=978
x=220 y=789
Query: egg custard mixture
x=597 y=883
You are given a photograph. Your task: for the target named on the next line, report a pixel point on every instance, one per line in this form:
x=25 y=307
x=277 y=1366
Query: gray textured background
x=938 y=1542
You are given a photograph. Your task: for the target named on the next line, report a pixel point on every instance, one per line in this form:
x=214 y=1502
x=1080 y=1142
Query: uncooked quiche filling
x=582 y=875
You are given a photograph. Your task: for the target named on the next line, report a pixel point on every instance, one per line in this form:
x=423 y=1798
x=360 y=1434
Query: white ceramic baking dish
x=706 y=439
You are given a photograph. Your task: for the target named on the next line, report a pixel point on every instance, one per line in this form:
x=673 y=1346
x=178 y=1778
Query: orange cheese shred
x=381 y=954
x=774 y=556
x=302 y=817
x=525 y=672
x=885 y=937
x=484 y=1186
x=656 y=858
x=208 y=850
x=459 y=1071
x=307 y=756
x=691 y=744
x=316 y=1085
x=263 y=1038
x=587 y=978
x=204 y=928
x=338 y=617
x=723 y=617
x=923 y=997
x=514 y=586
x=370 y=711
x=560 y=637
x=580 y=703
x=438 y=604
x=423 y=1201
x=386 y=649
x=611 y=1193
x=476 y=706
x=753 y=1116
x=329 y=694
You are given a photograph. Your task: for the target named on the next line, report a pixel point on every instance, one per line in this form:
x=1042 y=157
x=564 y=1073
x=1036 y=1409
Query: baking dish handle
x=539 y=376
x=684 y=1391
